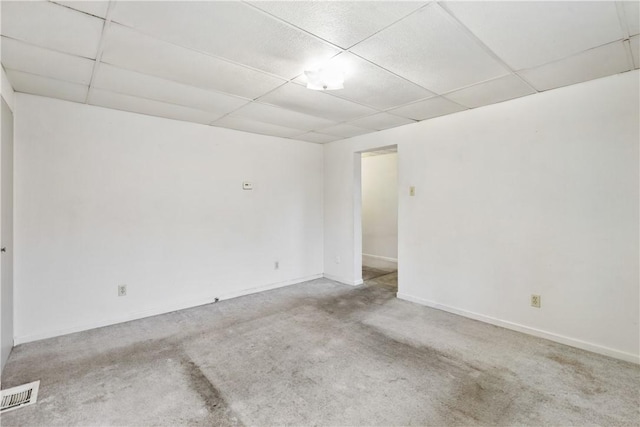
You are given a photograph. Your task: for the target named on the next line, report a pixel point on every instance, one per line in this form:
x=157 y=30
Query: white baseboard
x=381 y=262
x=174 y=306
x=595 y=348
x=344 y=281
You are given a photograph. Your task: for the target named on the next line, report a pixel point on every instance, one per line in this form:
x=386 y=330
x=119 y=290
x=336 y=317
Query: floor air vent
x=17 y=397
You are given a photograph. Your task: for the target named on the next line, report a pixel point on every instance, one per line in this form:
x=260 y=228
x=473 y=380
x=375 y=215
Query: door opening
x=379 y=218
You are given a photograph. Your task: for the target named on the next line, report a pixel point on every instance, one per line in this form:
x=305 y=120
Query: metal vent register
x=17 y=397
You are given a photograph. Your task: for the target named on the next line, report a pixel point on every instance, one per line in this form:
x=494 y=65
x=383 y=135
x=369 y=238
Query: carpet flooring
x=318 y=353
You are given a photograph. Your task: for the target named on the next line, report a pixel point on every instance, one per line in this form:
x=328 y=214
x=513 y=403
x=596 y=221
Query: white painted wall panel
x=537 y=195
x=6 y=235
x=105 y=197
x=6 y=89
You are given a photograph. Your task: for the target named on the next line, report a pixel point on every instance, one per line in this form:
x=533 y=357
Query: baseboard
x=343 y=281
x=381 y=262
x=595 y=348
x=175 y=306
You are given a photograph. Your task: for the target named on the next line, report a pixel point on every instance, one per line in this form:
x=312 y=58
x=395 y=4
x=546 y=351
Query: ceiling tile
x=129 y=49
x=428 y=109
x=95 y=7
x=430 y=49
x=371 y=85
x=253 y=126
x=298 y=98
x=635 y=50
x=184 y=76
x=491 y=92
x=38 y=85
x=318 y=138
x=132 y=83
x=528 y=34
x=149 y=107
x=381 y=121
x=592 y=64
x=632 y=14
x=232 y=30
x=281 y=117
x=346 y=131
x=52 y=26
x=343 y=23
x=22 y=56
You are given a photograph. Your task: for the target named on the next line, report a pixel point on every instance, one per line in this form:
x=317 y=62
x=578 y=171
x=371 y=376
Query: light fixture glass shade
x=325 y=79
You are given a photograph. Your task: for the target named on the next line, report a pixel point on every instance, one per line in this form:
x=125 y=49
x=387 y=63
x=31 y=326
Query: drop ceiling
x=240 y=65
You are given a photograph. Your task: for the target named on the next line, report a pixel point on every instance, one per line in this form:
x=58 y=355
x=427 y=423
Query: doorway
x=379 y=218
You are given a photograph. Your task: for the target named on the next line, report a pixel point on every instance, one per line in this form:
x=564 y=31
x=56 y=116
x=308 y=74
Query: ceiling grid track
x=96 y=66
x=622 y=16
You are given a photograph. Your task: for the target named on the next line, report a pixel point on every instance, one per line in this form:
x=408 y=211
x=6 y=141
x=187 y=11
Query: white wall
x=6 y=230
x=6 y=89
x=380 y=211
x=6 y=235
x=537 y=195
x=105 y=197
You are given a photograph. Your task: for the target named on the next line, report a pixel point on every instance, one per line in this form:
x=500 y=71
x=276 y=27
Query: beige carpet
x=318 y=353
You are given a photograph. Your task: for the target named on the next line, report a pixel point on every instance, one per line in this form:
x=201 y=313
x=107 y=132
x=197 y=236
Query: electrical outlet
x=276 y=265
x=122 y=290
x=535 y=301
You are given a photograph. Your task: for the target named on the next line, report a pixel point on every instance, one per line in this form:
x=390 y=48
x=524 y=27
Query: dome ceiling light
x=325 y=79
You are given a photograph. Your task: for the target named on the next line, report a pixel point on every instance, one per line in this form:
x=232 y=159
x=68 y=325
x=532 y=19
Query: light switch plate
x=246 y=185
